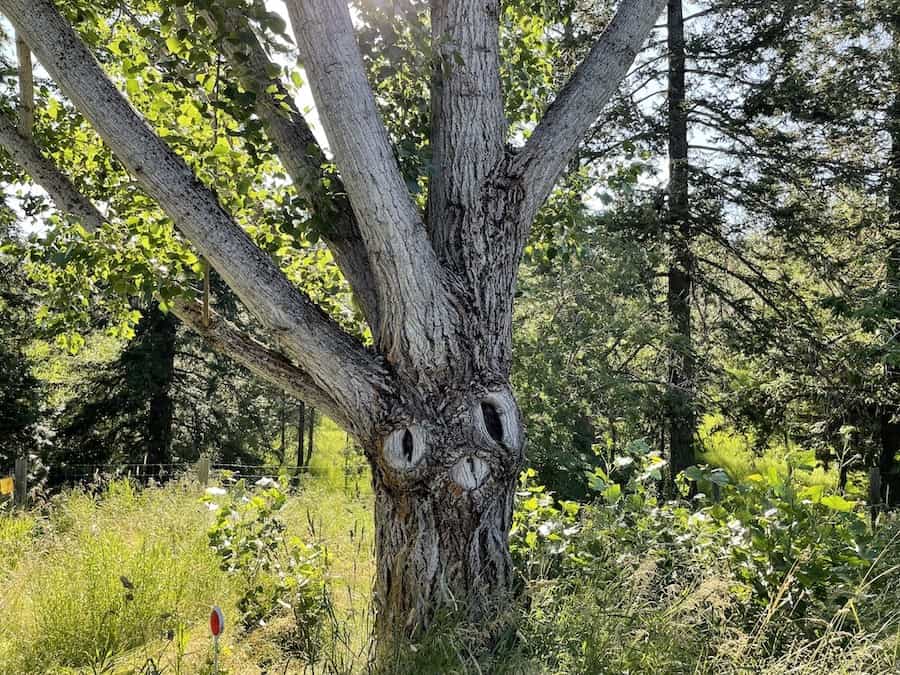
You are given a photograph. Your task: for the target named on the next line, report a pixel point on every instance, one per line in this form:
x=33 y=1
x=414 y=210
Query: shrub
x=274 y=572
x=770 y=578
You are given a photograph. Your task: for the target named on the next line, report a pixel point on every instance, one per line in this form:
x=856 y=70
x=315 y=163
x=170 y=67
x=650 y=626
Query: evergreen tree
x=20 y=392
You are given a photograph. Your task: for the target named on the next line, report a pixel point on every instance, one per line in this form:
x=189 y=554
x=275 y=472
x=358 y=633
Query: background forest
x=705 y=353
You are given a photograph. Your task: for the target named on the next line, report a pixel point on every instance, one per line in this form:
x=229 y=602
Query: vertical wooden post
x=21 y=482
x=302 y=464
x=874 y=494
x=203 y=471
x=309 y=440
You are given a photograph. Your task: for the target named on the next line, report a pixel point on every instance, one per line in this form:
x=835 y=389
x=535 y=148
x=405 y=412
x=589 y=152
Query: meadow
x=778 y=576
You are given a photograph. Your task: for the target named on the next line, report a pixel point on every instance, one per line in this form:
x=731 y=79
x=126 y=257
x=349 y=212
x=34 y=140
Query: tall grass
x=16 y=532
x=107 y=574
x=114 y=581
x=110 y=580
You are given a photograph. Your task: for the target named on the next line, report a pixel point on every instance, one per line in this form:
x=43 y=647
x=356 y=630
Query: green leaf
x=53 y=109
x=613 y=493
x=694 y=473
x=838 y=503
x=221 y=148
x=719 y=477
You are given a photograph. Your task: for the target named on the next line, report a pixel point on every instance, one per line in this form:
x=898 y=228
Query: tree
x=682 y=418
x=589 y=359
x=126 y=410
x=19 y=390
x=721 y=81
x=828 y=181
x=430 y=400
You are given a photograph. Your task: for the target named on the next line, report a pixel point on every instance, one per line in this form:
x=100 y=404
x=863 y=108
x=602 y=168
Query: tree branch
x=468 y=126
x=419 y=323
x=219 y=333
x=336 y=361
x=271 y=366
x=554 y=141
x=65 y=196
x=299 y=152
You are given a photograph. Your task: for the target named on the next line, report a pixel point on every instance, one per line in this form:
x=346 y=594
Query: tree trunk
x=681 y=416
x=888 y=474
x=442 y=520
x=445 y=550
x=889 y=478
x=162 y=329
x=444 y=486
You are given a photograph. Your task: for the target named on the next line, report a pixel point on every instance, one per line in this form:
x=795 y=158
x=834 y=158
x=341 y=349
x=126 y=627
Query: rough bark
x=468 y=127
x=443 y=506
x=268 y=364
x=300 y=153
x=67 y=199
x=220 y=334
x=681 y=415
x=552 y=144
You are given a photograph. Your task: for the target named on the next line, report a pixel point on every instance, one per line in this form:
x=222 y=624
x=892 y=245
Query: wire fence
x=203 y=470
x=33 y=480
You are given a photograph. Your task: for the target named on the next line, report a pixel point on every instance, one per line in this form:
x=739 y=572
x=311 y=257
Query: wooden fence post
x=203 y=471
x=21 y=482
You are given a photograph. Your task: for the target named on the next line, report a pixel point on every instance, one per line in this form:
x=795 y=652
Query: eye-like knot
x=469 y=472
x=495 y=417
x=405 y=448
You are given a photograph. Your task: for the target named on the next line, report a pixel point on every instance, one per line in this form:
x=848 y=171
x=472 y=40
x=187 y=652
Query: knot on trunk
x=496 y=417
x=470 y=472
x=405 y=448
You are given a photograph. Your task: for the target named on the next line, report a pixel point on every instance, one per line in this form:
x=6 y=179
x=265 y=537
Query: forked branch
x=299 y=152
x=271 y=366
x=468 y=126
x=418 y=320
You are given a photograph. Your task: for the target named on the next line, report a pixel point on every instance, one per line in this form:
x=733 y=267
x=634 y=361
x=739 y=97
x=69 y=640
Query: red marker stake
x=216 y=626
